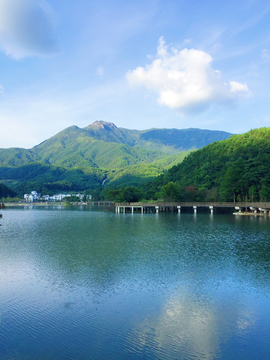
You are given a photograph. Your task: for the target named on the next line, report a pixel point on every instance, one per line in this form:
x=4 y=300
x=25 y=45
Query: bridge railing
x=263 y=205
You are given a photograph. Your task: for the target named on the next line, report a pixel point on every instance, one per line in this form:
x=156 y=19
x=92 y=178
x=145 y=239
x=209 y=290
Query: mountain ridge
x=102 y=145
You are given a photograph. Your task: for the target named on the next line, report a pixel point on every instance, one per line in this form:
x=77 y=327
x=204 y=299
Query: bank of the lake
x=28 y=204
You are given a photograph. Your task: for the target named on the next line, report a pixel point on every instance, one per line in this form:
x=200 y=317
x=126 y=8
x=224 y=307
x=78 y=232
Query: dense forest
x=49 y=179
x=5 y=192
x=236 y=169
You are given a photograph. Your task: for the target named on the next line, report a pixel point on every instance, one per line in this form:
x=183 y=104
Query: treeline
x=236 y=169
x=48 y=179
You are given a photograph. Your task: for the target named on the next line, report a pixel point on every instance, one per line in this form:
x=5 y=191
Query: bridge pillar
x=142 y=209
x=179 y=209
x=195 y=209
x=131 y=209
x=157 y=209
x=211 y=209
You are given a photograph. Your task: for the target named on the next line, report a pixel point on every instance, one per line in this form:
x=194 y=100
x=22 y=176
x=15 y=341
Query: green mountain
x=103 y=145
x=169 y=141
x=233 y=169
x=101 y=153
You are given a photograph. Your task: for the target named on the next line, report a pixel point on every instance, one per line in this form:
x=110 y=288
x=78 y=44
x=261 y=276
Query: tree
x=171 y=192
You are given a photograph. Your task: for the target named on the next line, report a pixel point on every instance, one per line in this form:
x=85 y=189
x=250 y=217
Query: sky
x=138 y=64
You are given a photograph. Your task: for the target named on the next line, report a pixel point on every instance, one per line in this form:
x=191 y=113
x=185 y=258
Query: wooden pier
x=157 y=207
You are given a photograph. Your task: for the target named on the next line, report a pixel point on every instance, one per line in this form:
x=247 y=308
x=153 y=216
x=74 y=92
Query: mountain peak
x=102 y=125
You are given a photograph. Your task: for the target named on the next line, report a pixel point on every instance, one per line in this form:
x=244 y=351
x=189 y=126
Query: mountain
x=169 y=141
x=116 y=152
x=233 y=169
x=103 y=145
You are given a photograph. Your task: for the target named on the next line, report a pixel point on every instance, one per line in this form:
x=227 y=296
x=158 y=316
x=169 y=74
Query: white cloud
x=236 y=86
x=185 y=80
x=27 y=28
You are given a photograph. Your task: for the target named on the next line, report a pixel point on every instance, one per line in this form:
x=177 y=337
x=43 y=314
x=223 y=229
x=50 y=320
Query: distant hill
x=233 y=169
x=106 y=147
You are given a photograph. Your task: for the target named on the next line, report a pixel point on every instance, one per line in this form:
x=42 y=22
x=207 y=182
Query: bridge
x=260 y=208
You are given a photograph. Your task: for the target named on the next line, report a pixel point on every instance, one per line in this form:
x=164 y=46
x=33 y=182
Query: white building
x=46 y=197
x=31 y=197
x=80 y=196
x=56 y=197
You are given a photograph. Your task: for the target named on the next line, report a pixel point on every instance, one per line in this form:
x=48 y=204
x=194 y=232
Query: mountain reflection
x=101 y=249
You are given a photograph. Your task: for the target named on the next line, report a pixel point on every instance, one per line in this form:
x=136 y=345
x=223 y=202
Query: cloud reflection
x=190 y=326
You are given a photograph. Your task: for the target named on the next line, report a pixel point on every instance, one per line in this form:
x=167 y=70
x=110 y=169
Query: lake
x=86 y=283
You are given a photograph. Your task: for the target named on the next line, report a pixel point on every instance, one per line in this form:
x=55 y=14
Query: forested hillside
x=49 y=179
x=99 y=155
x=5 y=191
x=233 y=169
x=103 y=145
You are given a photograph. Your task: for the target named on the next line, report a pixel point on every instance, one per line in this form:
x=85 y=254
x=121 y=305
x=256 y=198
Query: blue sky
x=138 y=64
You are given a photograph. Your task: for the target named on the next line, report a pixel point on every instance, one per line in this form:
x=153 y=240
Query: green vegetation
x=48 y=179
x=72 y=198
x=236 y=169
x=103 y=145
x=125 y=194
x=97 y=157
x=5 y=191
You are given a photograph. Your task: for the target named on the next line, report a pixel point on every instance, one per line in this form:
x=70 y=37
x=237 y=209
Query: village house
x=56 y=197
x=31 y=197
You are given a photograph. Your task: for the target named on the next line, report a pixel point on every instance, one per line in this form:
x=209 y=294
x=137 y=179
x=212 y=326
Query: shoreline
x=64 y=204
x=45 y=204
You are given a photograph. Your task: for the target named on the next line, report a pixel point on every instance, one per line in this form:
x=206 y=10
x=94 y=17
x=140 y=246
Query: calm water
x=86 y=284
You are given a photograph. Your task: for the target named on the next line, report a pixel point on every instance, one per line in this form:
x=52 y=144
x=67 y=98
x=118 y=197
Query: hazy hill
x=232 y=169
